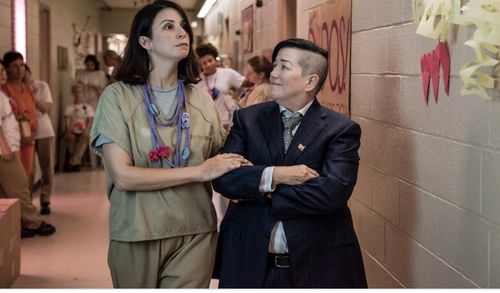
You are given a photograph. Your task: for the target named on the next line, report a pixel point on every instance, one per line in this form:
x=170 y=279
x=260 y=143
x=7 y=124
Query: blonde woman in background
x=78 y=122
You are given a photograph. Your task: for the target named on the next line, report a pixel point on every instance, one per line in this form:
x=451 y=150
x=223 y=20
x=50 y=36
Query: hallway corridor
x=75 y=256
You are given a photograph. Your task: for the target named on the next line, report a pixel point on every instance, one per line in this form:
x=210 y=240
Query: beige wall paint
x=5 y=25
x=110 y=25
x=63 y=15
x=265 y=26
x=116 y=21
x=427 y=199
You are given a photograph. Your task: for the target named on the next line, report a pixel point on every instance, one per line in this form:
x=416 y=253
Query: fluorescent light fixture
x=121 y=37
x=206 y=8
x=20 y=27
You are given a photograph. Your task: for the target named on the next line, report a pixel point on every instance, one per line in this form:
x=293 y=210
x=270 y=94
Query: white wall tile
x=369 y=229
x=374 y=52
x=418 y=215
x=388 y=12
x=404 y=49
x=386 y=99
x=448 y=170
x=362 y=95
x=414 y=113
x=362 y=14
x=377 y=276
x=356 y=55
x=364 y=186
x=416 y=267
x=462 y=241
x=491 y=186
x=494 y=257
x=386 y=196
x=495 y=123
x=463 y=118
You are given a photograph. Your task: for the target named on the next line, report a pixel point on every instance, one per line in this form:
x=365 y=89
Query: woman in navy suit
x=288 y=224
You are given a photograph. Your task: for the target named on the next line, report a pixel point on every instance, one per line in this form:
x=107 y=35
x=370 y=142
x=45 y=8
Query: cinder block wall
x=426 y=206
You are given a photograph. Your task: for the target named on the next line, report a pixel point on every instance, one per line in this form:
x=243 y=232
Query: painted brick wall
x=427 y=200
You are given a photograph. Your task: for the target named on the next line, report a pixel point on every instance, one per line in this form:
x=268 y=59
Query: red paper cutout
x=429 y=66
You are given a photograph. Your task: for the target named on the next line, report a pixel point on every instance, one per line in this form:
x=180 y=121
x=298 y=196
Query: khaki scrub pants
x=14 y=184
x=178 y=262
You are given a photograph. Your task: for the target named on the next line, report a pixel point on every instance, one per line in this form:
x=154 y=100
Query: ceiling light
x=206 y=8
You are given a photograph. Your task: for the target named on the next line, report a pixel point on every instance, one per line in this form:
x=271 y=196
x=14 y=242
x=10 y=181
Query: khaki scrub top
x=171 y=212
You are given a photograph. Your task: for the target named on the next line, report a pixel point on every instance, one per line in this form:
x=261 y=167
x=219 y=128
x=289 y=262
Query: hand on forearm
x=293 y=175
x=221 y=164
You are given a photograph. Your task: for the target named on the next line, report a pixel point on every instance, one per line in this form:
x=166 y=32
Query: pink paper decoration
x=430 y=64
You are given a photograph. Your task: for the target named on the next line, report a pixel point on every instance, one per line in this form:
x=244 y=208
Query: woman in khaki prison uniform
x=158 y=137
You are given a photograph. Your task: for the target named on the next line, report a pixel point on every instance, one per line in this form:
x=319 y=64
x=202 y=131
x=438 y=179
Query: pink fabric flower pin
x=159 y=153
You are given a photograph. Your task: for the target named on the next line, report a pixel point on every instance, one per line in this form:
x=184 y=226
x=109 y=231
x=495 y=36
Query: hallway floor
x=75 y=256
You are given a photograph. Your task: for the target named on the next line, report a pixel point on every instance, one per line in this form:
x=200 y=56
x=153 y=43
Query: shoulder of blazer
x=337 y=118
x=256 y=110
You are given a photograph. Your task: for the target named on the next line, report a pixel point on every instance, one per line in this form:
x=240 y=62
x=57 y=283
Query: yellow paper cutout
x=435 y=16
x=434 y=20
x=417 y=7
x=485 y=15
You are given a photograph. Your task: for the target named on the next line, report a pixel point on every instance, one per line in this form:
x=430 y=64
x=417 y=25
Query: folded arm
x=332 y=189
x=242 y=183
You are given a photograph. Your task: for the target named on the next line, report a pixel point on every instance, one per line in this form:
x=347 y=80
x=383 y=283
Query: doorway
x=44 y=34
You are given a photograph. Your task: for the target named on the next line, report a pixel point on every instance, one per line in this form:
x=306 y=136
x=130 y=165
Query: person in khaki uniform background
x=13 y=179
x=158 y=137
x=44 y=137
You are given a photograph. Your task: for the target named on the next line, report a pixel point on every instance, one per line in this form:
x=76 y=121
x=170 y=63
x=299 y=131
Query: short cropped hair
x=206 y=49
x=315 y=61
x=10 y=57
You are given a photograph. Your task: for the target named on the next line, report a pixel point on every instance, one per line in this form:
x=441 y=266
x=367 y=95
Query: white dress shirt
x=277 y=243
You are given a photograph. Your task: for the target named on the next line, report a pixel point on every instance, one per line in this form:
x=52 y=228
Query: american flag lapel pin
x=301 y=147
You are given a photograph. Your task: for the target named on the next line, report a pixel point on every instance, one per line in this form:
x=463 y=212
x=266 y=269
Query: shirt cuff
x=266 y=180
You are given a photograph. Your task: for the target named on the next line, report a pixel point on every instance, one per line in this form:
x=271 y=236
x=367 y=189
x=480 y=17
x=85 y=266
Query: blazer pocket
x=341 y=238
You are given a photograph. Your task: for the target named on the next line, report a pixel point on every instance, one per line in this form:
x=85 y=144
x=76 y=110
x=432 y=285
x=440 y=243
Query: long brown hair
x=136 y=68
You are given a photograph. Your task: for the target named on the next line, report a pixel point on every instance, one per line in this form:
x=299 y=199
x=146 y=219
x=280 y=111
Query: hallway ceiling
x=131 y=4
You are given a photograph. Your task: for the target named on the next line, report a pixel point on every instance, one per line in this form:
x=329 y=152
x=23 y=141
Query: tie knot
x=292 y=121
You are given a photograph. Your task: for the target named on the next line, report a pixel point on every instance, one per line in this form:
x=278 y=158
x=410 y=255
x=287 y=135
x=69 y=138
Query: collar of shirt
x=287 y=113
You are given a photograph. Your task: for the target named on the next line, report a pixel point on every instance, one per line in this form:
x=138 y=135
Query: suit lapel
x=271 y=126
x=308 y=130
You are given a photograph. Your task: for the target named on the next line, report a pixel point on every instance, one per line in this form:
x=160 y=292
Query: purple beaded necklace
x=160 y=152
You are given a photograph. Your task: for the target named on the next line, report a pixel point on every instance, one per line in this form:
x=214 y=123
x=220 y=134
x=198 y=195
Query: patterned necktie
x=289 y=124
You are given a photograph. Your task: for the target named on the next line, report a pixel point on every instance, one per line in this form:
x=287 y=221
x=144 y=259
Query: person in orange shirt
x=25 y=107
